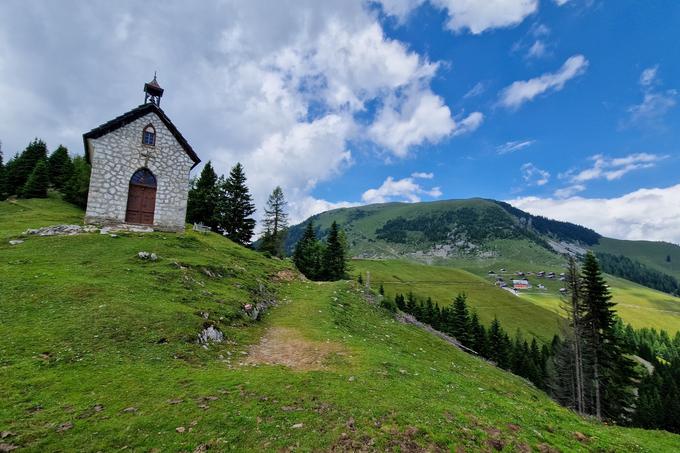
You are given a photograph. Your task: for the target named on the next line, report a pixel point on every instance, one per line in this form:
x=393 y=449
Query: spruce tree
x=24 y=165
x=461 y=320
x=235 y=210
x=334 y=262
x=202 y=201
x=612 y=372
x=60 y=167
x=498 y=345
x=275 y=223
x=77 y=186
x=479 y=342
x=307 y=253
x=38 y=182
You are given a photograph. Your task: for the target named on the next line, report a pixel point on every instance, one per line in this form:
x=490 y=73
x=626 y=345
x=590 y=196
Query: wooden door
x=141 y=204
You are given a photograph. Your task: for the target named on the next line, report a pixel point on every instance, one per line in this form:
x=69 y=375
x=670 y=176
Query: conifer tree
x=236 y=208
x=275 y=223
x=38 y=182
x=334 y=262
x=307 y=253
x=479 y=342
x=24 y=164
x=60 y=167
x=77 y=186
x=461 y=320
x=610 y=369
x=203 y=195
x=498 y=345
x=381 y=290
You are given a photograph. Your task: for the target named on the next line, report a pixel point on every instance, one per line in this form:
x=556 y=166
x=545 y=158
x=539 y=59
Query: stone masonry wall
x=115 y=158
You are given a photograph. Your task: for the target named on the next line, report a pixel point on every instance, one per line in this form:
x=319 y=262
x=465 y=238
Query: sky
x=564 y=108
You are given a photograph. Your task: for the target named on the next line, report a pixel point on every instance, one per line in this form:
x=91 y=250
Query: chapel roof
x=132 y=115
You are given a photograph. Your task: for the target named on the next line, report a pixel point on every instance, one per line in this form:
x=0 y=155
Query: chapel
x=140 y=168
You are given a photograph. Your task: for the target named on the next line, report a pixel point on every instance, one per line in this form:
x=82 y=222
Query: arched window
x=149 y=136
x=143 y=177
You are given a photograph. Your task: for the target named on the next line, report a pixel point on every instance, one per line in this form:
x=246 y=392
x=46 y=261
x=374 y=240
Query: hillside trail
x=292 y=337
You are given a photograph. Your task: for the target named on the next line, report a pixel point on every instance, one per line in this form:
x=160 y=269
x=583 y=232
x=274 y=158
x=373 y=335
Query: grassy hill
x=535 y=311
x=98 y=353
x=649 y=253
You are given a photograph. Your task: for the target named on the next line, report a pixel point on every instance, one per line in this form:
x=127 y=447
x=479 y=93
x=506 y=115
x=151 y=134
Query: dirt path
x=286 y=346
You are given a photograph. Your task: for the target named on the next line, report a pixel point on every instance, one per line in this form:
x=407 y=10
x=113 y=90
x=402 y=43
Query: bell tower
x=153 y=92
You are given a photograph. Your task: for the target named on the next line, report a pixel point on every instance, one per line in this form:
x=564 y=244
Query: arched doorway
x=141 y=198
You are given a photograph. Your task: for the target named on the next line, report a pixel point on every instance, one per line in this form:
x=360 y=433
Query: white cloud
x=473 y=15
x=569 y=191
x=405 y=189
x=303 y=208
x=479 y=16
x=515 y=145
x=523 y=91
x=469 y=124
x=422 y=175
x=648 y=76
x=537 y=50
x=612 y=168
x=475 y=91
x=561 y=2
x=645 y=214
x=655 y=104
x=418 y=117
x=533 y=175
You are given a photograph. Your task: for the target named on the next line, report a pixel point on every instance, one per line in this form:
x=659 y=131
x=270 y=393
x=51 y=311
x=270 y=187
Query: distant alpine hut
x=521 y=284
x=140 y=168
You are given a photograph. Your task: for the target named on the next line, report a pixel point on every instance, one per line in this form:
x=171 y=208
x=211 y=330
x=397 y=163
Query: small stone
x=16 y=242
x=175 y=401
x=351 y=379
x=64 y=427
x=180 y=429
x=113 y=235
x=130 y=410
x=297 y=425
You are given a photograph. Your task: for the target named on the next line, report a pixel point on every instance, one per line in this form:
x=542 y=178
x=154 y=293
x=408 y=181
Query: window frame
x=151 y=130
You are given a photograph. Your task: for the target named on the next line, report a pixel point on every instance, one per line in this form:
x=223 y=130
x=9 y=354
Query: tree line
x=224 y=204
x=34 y=171
x=587 y=368
x=319 y=260
x=624 y=267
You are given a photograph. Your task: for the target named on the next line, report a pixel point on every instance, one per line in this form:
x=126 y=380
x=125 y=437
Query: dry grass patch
x=285 y=346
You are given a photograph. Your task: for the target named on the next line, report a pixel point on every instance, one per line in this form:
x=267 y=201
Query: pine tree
x=498 y=345
x=77 y=186
x=24 y=164
x=575 y=311
x=202 y=201
x=38 y=182
x=611 y=371
x=461 y=320
x=334 y=261
x=236 y=208
x=479 y=341
x=307 y=253
x=275 y=223
x=60 y=167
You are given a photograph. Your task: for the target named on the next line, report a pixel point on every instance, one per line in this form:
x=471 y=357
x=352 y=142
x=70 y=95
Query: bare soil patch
x=285 y=346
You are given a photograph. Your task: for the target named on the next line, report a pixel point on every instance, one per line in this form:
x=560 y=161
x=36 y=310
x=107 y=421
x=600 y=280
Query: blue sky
x=567 y=108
